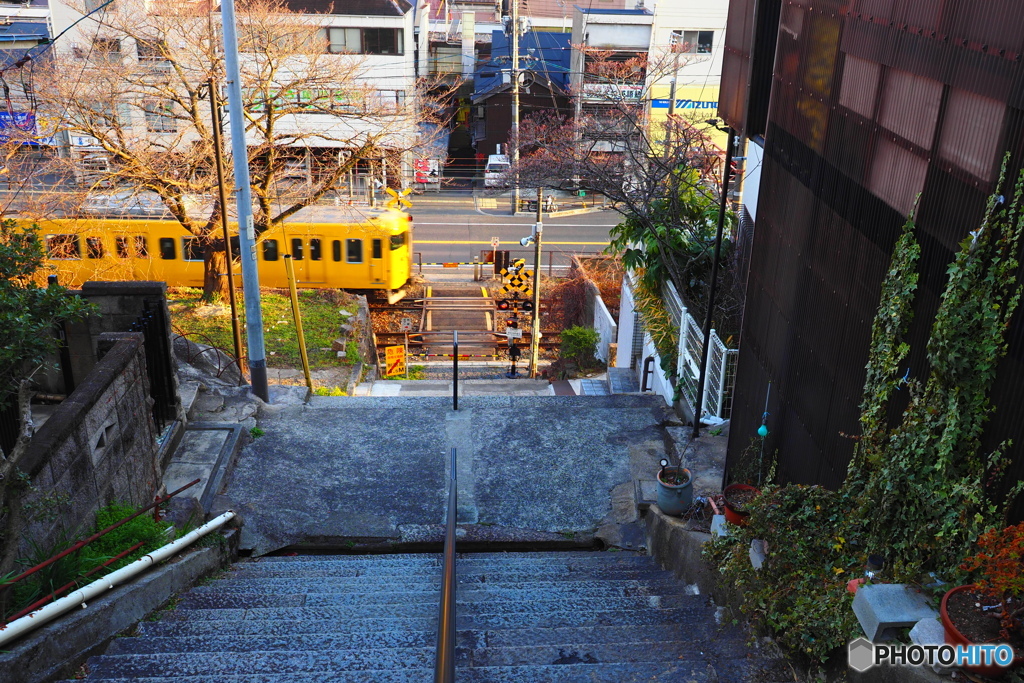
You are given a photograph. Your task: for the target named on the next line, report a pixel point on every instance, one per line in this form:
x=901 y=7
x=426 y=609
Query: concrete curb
x=55 y=651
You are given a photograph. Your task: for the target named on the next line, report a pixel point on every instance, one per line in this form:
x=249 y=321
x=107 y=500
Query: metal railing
x=444 y=666
x=6 y=586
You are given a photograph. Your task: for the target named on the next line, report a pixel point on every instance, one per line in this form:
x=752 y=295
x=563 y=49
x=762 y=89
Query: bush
x=579 y=344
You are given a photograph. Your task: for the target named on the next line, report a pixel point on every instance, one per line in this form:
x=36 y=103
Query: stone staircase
x=521 y=617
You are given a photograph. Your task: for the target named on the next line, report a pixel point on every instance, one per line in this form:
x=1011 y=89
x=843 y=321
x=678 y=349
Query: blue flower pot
x=674 y=499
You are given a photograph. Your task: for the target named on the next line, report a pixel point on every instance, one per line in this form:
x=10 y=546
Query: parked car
x=496 y=170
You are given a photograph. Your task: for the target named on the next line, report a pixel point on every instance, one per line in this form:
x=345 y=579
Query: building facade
x=867 y=109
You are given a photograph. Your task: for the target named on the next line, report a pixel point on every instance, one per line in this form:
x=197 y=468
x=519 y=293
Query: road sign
x=495 y=242
x=394 y=360
x=513 y=333
x=405 y=325
x=398 y=199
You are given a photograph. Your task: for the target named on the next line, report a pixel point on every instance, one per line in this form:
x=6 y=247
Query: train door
x=308 y=259
x=378 y=266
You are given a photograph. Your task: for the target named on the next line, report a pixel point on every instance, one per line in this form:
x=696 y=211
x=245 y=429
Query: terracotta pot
x=954 y=637
x=732 y=515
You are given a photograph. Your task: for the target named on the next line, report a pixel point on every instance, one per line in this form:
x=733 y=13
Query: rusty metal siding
x=933 y=97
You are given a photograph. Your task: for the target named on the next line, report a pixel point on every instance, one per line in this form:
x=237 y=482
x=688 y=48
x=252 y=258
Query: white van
x=495 y=170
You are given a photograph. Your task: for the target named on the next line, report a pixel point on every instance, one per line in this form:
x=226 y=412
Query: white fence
x=605 y=325
x=720 y=379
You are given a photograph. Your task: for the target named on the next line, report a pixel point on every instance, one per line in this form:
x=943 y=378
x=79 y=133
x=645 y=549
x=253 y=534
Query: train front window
x=315 y=253
x=63 y=247
x=167 y=250
x=269 y=250
x=191 y=250
x=398 y=241
x=121 y=246
x=297 y=248
x=353 y=251
x=94 y=247
x=141 y=248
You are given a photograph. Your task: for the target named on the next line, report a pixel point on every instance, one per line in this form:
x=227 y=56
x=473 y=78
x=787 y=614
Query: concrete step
x=690 y=672
x=480 y=603
x=191 y=637
x=370 y=575
x=466 y=589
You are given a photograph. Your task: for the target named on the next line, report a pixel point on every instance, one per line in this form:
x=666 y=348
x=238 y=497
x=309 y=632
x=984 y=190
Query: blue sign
x=18 y=125
x=685 y=104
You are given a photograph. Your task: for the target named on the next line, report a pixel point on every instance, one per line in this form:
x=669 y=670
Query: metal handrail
x=444 y=666
x=6 y=585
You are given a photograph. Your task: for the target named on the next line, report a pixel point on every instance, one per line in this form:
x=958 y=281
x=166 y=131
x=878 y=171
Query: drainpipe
x=80 y=597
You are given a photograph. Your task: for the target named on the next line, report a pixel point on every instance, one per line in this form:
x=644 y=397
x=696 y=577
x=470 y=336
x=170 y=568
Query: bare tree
x=663 y=176
x=140 y=87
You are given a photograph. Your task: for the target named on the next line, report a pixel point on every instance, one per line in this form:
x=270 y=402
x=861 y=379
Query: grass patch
x=211 y=324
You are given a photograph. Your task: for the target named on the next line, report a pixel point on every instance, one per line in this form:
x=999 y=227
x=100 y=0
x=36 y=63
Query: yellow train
x=370 y=251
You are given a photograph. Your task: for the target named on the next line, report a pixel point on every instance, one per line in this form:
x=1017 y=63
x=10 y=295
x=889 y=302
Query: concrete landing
x=345 y=469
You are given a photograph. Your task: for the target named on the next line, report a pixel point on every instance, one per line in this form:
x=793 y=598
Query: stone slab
x=646 y=493
x=930 y=632
x=889 y=606
x=719 y=526
x=757 y=554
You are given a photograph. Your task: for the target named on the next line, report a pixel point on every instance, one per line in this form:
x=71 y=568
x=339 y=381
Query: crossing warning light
x=503 y=305
x=527 y=305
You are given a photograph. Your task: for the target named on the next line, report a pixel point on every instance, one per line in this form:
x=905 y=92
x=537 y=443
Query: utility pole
x=535 y=324
x=243 y=196
x=702 y=377
x=515 y=105
x=218 y=155
x=669 y=122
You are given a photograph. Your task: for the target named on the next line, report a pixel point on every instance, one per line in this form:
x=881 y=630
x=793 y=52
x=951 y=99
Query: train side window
x=121 y=245
x=63 y=247
x=315 y=253
x=297 y=248
x=94 y=247
x=141 y=247
x=167 y=251
x=378 y=249
x=397 y=241
x=191 y=250
x=269 y=250
x=336 y=250
x=353 y=251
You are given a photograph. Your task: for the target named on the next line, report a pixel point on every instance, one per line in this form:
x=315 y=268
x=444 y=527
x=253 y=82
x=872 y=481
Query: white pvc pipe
x=79 y=597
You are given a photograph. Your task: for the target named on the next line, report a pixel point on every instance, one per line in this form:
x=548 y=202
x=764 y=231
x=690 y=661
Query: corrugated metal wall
x=873 y=102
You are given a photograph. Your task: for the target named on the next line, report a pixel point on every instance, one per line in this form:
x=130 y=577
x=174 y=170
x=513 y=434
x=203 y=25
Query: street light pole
x=243 y=196
x=706 y=351
x=538 y=232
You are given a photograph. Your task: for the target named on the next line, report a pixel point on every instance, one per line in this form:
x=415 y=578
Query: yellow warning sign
x=394 y=360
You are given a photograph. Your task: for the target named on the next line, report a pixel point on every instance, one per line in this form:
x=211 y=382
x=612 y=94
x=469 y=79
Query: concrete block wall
x=99 y=446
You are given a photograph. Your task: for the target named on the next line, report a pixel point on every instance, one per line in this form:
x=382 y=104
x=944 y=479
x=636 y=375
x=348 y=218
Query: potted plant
x=992 y=609
x=675 y=489
x=737 y=497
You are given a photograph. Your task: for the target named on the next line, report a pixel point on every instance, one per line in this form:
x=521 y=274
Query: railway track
x=467 y=308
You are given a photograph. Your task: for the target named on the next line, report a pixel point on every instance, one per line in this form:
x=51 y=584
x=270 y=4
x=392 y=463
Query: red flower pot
x=734 y=515
x=954 y=637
